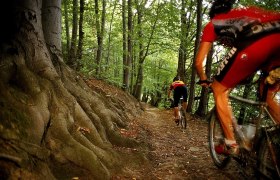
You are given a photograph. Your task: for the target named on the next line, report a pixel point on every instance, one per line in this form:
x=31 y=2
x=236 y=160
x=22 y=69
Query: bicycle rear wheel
x=266 y=166
x=183 y=119
x=216 y=136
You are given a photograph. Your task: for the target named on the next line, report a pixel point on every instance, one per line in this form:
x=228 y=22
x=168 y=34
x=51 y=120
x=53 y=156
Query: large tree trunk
x=50 y=119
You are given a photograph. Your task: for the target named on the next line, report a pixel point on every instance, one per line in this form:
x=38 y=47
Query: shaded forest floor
x=166 y=151
x=172 y=153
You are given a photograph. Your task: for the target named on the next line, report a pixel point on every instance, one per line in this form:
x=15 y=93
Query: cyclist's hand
x=205 y=83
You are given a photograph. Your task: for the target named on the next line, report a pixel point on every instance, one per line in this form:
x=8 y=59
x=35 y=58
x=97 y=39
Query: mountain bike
x=182 y=115
x=259 y=141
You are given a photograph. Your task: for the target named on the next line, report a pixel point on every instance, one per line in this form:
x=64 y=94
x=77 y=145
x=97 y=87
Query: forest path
x=176 y=154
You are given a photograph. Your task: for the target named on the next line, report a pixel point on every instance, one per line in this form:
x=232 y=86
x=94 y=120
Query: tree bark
x=181 y=70
x=72 y=59
x=51 y=121
x=109 y=38
x=81 y=35
x=125 y=79
x=129 y=45
x=100 y=25
x=143 y=51
x=193 y=75
x=67 y=32
x=204 y=94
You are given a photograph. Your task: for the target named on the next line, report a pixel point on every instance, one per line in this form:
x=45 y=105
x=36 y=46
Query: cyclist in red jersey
x=180 y=90
x=254 y=37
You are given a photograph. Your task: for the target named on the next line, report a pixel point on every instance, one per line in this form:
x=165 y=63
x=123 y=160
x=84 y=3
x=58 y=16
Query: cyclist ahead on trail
x=253 y=34
x=179 y=90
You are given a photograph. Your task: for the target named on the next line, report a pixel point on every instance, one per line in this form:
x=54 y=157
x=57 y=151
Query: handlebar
x=207 y=82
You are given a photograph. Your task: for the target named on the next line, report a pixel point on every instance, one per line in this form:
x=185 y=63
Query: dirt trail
x=175 y=154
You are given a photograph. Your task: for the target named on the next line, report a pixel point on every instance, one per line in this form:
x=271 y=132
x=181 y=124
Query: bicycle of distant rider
x=182 y=115
x=259 y=154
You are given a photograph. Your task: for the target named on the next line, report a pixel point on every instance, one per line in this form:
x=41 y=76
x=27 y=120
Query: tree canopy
x=161 y=44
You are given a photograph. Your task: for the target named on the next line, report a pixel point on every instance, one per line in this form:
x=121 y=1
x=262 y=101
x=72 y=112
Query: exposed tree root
x=63 y=115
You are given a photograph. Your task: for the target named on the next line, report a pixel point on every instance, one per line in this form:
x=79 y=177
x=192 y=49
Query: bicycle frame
x=262 y=105
x=260 y=151
x=263 y=110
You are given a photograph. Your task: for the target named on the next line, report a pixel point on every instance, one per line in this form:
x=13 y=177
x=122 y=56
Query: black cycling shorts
x=180 y=91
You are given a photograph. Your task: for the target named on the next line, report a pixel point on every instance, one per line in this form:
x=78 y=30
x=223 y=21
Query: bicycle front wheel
x=216 y=137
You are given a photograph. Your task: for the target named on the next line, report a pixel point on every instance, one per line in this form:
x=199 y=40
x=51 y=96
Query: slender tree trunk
x=81 y=35
x=67 y=32
x=204 y=97
x=139 y=76
x=129 y=44
x=181 y=71
x=143 y=53
x=109 y=38
x=103 y=19
x=193 y=75
x=72 y=59
x=100 y=33
x=125 y=83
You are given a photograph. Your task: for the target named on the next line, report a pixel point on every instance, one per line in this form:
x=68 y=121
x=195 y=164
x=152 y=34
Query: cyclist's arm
x=200 y=59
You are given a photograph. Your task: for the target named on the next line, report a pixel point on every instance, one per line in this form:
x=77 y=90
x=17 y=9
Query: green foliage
x=160 y=65
x=267 y=4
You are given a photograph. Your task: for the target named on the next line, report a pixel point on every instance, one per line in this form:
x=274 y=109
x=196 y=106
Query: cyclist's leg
x=176 y=97
x=224 y=109
x=271 y=99
x=176 y=113
x=185 y=97
x=235 y=68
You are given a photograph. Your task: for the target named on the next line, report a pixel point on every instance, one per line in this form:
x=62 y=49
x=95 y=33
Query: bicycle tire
x=266 y=166
x=183 y=119
x=216 y=135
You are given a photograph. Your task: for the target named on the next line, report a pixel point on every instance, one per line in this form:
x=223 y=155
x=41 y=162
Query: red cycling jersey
x=176 y=84
x=253 y=34
x=240 y=24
